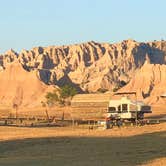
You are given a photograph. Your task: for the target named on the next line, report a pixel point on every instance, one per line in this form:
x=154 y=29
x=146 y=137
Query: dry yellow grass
x=12 y=133
x=128 y=146
x=156 y=162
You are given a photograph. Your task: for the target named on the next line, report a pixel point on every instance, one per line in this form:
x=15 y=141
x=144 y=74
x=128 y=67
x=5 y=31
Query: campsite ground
x=158 y=111
x=127 y=146
x=79 y=147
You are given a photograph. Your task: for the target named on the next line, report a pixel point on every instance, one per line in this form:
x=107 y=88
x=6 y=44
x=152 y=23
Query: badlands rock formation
x=91 y=66
x=18 y=86
x=149 y=82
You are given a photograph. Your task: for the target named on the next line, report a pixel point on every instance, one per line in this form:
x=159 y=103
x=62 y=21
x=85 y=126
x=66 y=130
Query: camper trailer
x=125 y=109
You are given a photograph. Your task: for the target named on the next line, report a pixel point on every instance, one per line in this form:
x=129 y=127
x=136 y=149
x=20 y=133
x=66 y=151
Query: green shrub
x=102 y=90
x=61 y=97
x=67 y=91
x=51 y=98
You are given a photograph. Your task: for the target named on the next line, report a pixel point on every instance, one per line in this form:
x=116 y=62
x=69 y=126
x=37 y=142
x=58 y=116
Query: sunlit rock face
x=94 y=66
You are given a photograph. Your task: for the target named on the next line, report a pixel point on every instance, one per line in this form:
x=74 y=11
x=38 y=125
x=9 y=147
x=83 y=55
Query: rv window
x=146 y=109
x=112 y=109
x=124 y=108
x=119 y=108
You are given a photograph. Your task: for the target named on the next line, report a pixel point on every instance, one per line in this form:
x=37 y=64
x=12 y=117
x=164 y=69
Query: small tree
x=44 y=105
x=15 y=106
x=67 y=91
x=52 y=98
x=62 y=96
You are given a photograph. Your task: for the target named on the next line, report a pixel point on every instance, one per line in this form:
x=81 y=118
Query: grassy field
x=129 y=146
x=69 y=112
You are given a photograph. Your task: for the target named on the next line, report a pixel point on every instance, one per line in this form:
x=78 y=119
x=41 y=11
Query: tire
x=119 y=123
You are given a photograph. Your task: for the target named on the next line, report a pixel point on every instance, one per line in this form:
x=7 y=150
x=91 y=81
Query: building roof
x=163 y=95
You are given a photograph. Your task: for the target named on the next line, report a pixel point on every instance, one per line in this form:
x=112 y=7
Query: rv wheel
x=119 y=123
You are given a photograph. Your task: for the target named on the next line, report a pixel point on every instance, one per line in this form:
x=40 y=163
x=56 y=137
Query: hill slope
x=149 y=82
x=20 y=87
x=88 y=66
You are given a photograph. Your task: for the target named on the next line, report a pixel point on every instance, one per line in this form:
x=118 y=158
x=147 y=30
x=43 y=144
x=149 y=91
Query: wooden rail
x=53 y=121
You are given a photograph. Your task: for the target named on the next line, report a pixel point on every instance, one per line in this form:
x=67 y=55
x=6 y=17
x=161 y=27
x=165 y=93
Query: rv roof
x=163 y=95
x=125 y=101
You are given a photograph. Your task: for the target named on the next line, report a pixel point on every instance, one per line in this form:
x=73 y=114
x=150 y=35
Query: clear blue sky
x=30 y=23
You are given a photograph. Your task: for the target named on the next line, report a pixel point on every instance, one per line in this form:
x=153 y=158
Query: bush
x=52 y=98
x=67 y=91
x=61 y=97
x=102 y=90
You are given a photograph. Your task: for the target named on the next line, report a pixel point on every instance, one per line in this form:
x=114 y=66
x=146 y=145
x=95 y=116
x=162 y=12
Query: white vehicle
x=126 y=109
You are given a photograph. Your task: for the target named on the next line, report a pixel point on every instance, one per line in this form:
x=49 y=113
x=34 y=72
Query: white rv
x=127 y=109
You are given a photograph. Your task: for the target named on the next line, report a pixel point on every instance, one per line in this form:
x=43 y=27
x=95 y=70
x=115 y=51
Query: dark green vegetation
x=52 y=97
x=67 y=91
x=84 y=151
x=60 y=96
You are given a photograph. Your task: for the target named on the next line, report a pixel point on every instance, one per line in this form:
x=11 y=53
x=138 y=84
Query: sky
x=29 y=23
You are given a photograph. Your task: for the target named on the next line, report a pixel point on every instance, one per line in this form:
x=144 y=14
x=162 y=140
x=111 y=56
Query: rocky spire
x=147 y=59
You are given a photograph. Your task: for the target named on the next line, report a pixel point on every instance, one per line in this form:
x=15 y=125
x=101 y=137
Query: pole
x=16 y=114
x=48 y=118
x=136 y=109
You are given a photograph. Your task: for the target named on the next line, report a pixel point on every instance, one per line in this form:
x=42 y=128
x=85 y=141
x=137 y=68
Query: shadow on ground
x=158 y=117
x=84 y=151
